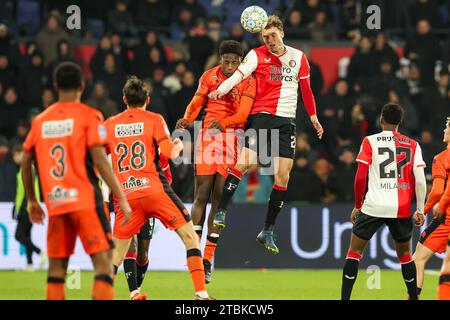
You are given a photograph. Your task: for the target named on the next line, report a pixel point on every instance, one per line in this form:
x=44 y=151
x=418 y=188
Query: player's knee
x=282 y=179
x=202 y=197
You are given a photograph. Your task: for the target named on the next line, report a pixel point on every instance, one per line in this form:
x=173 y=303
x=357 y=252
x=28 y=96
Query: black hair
x=392 y=113
x=231 y=46
x=135 y=92
x=68 y=76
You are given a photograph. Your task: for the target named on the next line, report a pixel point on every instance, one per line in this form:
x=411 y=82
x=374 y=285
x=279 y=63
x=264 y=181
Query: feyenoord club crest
x=292 y=63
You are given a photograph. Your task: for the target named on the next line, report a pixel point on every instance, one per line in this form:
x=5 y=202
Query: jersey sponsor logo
x=57 y=128
x=129 y=130
x=61 y=195
x=281 y=74
x=133 y=183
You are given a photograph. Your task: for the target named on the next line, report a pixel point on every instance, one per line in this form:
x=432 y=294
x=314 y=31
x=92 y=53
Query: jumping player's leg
x=350 y=271
x=194 y=259
x=246 y=159
x=421 y=256
x=277 y=199
x=213 y=231
x=203 y=187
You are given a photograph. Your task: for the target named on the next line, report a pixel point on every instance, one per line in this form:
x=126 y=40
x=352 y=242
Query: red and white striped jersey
x=391 y=157
x=277 y=79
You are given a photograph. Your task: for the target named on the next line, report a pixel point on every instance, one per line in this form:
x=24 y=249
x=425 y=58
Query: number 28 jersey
x=133 y=138
x=391 y=157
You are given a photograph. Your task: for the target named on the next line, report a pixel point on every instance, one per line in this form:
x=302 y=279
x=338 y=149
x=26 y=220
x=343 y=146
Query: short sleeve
x=304 y=68
x=96 y=131
x=250 y=88
x=365 y=152
x=160 y=131
x=30 y=140
x=249 y=64
x=203 y=86
x=418 y=160
x=438 y=168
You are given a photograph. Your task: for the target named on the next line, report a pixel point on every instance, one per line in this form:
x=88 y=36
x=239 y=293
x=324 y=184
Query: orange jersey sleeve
x=445 y=199
x=439 y=174
x=245 y=104
x=30 y=140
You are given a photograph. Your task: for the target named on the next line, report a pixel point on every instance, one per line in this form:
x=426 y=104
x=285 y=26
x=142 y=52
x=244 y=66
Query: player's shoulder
x=208 y=74
x=293 y=50
x=89 y=111
x=260 y=50
x=441 y=156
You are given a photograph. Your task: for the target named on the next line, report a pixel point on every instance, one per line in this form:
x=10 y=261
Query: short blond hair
x=274 y=21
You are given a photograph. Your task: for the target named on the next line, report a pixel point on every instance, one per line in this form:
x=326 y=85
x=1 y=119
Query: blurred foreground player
x=136 y=135
x=434 y=238
x=67 y=141
x=217 y=146
x=395 y=168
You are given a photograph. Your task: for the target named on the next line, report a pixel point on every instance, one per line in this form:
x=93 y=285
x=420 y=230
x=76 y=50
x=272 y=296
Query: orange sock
x=103 y=288
x=195 y=265
x=55 y=289
x=444 y=287
x=210 y=248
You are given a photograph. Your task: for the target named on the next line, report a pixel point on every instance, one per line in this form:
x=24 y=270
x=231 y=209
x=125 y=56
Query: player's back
x=392 y=158
x=440 y=168
x=132 y=140
x=60 y=137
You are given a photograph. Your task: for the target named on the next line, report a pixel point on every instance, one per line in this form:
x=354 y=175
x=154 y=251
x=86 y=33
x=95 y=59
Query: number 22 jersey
x=391 y=157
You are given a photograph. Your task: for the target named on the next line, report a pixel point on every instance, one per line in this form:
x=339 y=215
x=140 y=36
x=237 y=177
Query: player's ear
x=82 y=86
x=124 y=100
x=147 y=100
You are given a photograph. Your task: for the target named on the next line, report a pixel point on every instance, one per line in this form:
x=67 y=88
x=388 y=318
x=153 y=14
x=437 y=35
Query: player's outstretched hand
x=35 y=212
x=419 y=218
x=216 y=125
x=316 y=124
x=182 y=124
x=354 y=214
x=215 y=95
x=126 y=210
x=437 y=212
x=177 y=148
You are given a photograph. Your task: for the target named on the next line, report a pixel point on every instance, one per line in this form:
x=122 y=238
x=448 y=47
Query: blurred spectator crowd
x=169 y=43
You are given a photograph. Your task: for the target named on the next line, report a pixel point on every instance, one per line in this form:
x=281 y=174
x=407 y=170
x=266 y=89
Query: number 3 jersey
x=391 y=157
x=133 y=139
x=60 y=138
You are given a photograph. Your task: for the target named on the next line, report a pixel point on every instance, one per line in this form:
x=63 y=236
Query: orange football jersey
x=60 y=138
x=133 y=141
x=229 y=104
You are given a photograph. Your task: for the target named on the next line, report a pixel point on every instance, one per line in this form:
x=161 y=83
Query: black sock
x=231 y=184
x=349 y=275
x=141 y=272
x=276 y=203
x=419 y=291
x=115 y=269
x=29 y=252
x=129 y=266
x=409 y=275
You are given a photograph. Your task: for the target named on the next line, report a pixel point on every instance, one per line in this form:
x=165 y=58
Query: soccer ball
x=253 y=19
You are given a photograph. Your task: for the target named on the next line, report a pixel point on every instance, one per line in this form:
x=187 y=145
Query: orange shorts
x=166 y=207
x=92 y=226
x=216 y=153
x=436 y=236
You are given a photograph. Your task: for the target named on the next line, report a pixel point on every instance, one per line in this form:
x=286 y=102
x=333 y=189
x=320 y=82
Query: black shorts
x=259 y=141
x=365 y=227
x=146 y=232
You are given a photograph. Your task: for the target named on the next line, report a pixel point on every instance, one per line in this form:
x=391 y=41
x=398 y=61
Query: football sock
x=276 y=203
x=141 y=267
x=419 y=291
x=195 y=265
x=199 y=231
x=130 y=269
x=409 y=275
x=349 y=274
x=103 y=288
x=231 y=184
x=211 y=245
x=444 y=287
x=55 y=289
x=116 y=268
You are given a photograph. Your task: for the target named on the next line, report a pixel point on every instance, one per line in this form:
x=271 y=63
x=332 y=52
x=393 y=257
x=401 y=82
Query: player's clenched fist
x=419 y=218
x=182 y=124
x=215 y=95
x=316 y=124
x=126 y=209
x=35 y=212
x=177 y=148
x=354 y=214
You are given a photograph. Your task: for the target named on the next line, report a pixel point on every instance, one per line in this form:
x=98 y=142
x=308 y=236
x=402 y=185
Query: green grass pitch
x=227 y=284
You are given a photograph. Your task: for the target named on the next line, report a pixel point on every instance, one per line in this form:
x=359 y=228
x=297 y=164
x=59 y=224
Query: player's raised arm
x=308 y=96
x=245 y=69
